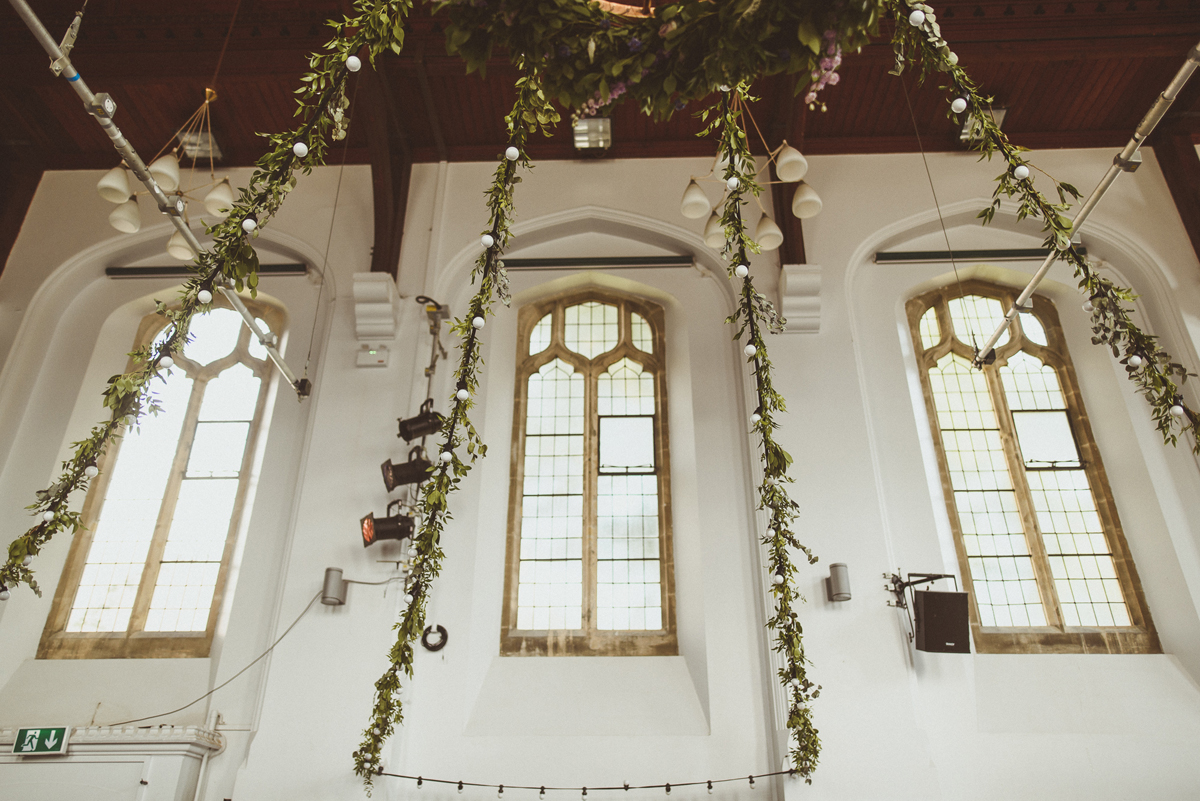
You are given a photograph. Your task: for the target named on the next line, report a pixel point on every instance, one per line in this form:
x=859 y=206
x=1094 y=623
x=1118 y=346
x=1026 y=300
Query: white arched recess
x=580 y=720
x=1155 y=486
x=77 y=330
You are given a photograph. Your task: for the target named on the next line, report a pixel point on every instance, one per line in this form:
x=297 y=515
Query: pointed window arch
x=1036 y=530
x=145 y=576
x=589 y=548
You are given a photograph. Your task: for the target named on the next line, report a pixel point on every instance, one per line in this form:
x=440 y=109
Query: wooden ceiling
x=1072 y=74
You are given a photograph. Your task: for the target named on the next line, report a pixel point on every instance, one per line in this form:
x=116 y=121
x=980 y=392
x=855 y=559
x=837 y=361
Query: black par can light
x=414 y=471
x=396 y=527
x=425 y=423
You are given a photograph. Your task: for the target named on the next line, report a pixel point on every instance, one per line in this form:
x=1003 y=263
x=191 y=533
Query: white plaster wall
x=894 y=723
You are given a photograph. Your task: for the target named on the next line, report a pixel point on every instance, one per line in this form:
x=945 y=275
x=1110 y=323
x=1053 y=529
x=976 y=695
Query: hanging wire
x=224 y=45
x=941 y=220
x=625 y=787
x=328 y=241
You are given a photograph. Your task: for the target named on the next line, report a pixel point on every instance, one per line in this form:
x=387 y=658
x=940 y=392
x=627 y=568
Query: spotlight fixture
x=594 y=132
x=425 y=423
x=393 y=527
x=414 y=471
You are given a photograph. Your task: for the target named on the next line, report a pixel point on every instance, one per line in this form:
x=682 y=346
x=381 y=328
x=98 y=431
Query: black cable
x=624 y=787
x=231 y=678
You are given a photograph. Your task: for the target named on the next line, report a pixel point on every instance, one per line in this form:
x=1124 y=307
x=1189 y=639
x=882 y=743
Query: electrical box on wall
x=373 y=356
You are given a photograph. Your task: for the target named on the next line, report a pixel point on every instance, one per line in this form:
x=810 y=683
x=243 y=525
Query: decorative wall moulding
x=375 y=306
x=800 y=298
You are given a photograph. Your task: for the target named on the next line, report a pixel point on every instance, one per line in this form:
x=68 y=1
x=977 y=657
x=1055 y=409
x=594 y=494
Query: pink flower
x=834 y=78
x=811 y=97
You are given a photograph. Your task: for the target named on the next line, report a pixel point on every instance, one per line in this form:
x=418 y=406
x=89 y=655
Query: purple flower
x=605 y=24
x=635 y=44
x=826 y=64
x=830 y=35
x=834 y=78
x=564 y=51
x=680 y=104
x=816 y=74
x=830 y=49
x=811 y=97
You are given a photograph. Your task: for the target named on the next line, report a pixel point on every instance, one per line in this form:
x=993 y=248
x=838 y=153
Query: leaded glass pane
x=539 y=337
x=974 y=318
x=1033 y=329
x=643 y=339
x=591 y=328
x=930 y=332
x=213 y=335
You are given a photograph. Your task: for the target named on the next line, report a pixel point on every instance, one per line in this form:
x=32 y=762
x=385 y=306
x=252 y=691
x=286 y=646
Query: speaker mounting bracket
x=899 y=587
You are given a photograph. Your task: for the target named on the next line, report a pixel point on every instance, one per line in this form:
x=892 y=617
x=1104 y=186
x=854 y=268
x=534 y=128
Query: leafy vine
x=754 y=315
x=1146 y=363
x=531 y=112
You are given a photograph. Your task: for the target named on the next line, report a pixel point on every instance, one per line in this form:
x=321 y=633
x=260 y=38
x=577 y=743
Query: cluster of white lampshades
x=126 y=217
x=790 y=166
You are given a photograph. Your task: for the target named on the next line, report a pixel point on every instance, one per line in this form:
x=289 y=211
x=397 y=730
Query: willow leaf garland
x=1146 y=363
x=754 y=314
x=531 y=112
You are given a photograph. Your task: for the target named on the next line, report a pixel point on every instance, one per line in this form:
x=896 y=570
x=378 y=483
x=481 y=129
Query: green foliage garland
x=754 y=315
x=1145 y=361
x=531 y=112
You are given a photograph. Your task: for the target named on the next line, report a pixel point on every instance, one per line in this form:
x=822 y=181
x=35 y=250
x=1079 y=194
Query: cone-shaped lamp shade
x=220 y=197
x=767 y=234
x=695 y=203
x=791 y=165
x=165 y=170
x=806 y=203
x=125 y=217
x=178 y=247
x=714 y=233
x=114 y=186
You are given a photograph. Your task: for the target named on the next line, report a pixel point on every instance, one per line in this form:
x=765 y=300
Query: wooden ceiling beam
x=1180 y=165
x=391 y=172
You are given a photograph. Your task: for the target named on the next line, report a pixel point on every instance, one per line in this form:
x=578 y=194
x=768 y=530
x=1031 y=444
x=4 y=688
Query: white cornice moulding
x=375 y=305
x=800 y=298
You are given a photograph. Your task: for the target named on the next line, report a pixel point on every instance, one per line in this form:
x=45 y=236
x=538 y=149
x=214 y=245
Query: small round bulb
x=375 y=731
x=408 y=599
x=741 y=271
x=778 y=579
x=166 y=362
x=754 y=418
x=1177 y=411
x=48 y=516
x=795 y=684
x=204 y=296
x=4 y=596
x=354 y=63
x=1088 y=306
x=462 y=395
x=91 y=471
x=750 y=350
x=915 y=19
x=300 y=149
x=732 y=183
x=412 y=552
x=27 y=560
x=1135 y=361
x=958 y=105
x=478 y=323
x=249 y=224
x=486 y=240
x=446 y=457
x=512 y=154
x=1020 y=172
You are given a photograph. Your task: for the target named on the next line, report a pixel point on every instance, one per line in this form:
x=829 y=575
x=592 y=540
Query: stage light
x=425 y=423
x=396 y=527
x=414 y=471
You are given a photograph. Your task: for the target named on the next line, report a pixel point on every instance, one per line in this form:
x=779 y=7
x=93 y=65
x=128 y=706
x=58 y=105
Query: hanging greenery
x=588 y=56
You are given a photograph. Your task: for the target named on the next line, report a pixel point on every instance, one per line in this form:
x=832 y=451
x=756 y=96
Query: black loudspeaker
x=942 y=624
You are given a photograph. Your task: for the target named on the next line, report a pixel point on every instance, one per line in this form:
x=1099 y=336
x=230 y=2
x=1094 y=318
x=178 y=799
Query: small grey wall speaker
x=942 y=625
x=837 y=586
x=333 y=591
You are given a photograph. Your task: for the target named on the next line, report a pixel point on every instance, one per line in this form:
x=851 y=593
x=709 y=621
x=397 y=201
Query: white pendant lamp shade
x=806 y=203
x=767 y=234
x=165 y=170
x=125 y=217
x=220 y=197
x=790 y=165
x=714 y=233
x=695 y=203
x=178 y=247
x=114 y=186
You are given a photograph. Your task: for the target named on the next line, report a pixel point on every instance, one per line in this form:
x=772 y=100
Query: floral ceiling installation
x=585 y=57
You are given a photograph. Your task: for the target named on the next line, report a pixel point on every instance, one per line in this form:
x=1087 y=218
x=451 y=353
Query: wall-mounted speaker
x=942 y=623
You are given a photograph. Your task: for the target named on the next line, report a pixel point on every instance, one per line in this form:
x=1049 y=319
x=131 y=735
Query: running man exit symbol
x=44 y=740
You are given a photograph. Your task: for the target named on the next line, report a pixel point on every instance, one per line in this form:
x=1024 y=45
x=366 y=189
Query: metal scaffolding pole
x=1127 y=160
x=102 y=108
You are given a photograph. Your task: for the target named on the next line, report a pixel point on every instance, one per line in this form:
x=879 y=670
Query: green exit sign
x=43 y=740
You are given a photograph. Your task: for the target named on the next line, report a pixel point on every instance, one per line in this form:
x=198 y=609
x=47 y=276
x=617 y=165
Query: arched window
x=145 y=576
x=589 y=548
x=1036 y=529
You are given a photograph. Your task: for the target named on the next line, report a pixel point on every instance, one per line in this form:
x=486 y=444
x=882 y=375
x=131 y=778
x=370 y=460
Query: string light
x=446 y=456
x=300 y=149
x=487 y=240
x=667 y=787
x=460 y=785
x=1135 y=361
x=353 y=63
x=750 y=350
x=48 y=516
x=542 y=794
x=741 y=271
x=1088 y=306
x=500 y=793
x=1020 y=172
x=751 y=781
x=478 y=322
x=250 y=223
x=732 y=183
x=915 y=19
x=512 y=154
x=710 y=786
x=754 y=418
x=420 y=781
x=958 y=105
x=462 y=394
x=1176 y=411
x=204 y=296
x=91 y=471
x=166 y=362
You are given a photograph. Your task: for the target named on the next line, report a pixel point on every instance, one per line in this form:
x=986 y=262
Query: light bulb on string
x=741 y=271
x=1020 y=172
x=446 y=457
x=166 y=362
x=487 y=241
x=91 y=471
x=755 y=418
x=1135 y=361
x=48 y=516
x=460 y=788
x=1088 y=306
x=915 y=19
x=250 y=223
x=958 y=105
x=751 y=782
x=420 y=782
x=462 y=394
x=512 y=154
x=710 y=786
x=300 y=149
x=478 y=323
x=542 y=794
x=4 y=594
x=732 y=183
x=749 y=350
x=668 y=788
x=1177 y=411
x=500 y=793
x=353 y=63
x=204 y=296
